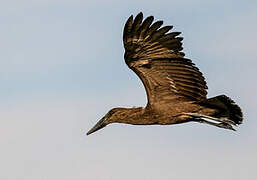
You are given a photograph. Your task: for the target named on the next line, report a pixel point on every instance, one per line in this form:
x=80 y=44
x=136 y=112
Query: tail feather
x=227 y=108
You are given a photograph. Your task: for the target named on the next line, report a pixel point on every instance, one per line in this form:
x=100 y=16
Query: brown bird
x=175 y=88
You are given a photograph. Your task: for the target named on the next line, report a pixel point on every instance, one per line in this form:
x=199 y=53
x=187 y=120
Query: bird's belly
x=175 y=114
x=173 y=120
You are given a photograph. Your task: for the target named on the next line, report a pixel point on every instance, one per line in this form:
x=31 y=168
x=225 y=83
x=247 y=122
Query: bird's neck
x=134 y=116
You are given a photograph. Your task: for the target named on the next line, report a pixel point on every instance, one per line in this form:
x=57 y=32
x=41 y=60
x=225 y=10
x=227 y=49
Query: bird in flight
x=176 y=89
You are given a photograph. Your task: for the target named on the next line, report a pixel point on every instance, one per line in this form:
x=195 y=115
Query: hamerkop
x=175 y=88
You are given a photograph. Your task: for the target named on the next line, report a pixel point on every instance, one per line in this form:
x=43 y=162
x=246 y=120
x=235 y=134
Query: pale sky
x=62 y=69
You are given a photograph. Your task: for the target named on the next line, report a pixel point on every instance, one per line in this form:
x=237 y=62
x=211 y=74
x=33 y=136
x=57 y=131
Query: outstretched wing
x=154 y=54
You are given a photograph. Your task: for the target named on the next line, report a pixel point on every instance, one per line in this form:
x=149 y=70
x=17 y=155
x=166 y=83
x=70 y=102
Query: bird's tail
x=227 y=108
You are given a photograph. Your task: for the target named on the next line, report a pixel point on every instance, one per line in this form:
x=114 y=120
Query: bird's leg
x=222 y=120
x=220 y=125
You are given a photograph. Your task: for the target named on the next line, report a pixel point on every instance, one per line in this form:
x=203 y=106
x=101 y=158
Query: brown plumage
x=175 y=88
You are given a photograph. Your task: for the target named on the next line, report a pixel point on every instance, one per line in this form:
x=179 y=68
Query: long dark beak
x=99 y=125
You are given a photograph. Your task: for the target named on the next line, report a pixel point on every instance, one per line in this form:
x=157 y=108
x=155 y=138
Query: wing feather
x=169 y=36
x=136 y=25
x=160 y=32
x=146 y=24
x=153 y=28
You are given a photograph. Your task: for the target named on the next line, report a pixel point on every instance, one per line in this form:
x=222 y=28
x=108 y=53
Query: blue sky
x=62 y=69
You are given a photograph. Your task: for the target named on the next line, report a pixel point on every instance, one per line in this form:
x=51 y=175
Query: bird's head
x=112 y=116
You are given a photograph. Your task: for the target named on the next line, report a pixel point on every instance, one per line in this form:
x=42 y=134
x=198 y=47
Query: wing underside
x=154 y=54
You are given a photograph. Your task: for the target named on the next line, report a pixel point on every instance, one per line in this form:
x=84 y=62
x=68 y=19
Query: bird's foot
x=221 y=119
x=225 y=126
x=220 y=125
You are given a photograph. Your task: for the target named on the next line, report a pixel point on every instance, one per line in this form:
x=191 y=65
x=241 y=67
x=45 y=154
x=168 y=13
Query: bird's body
x=162 y=115
x=175 y=88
